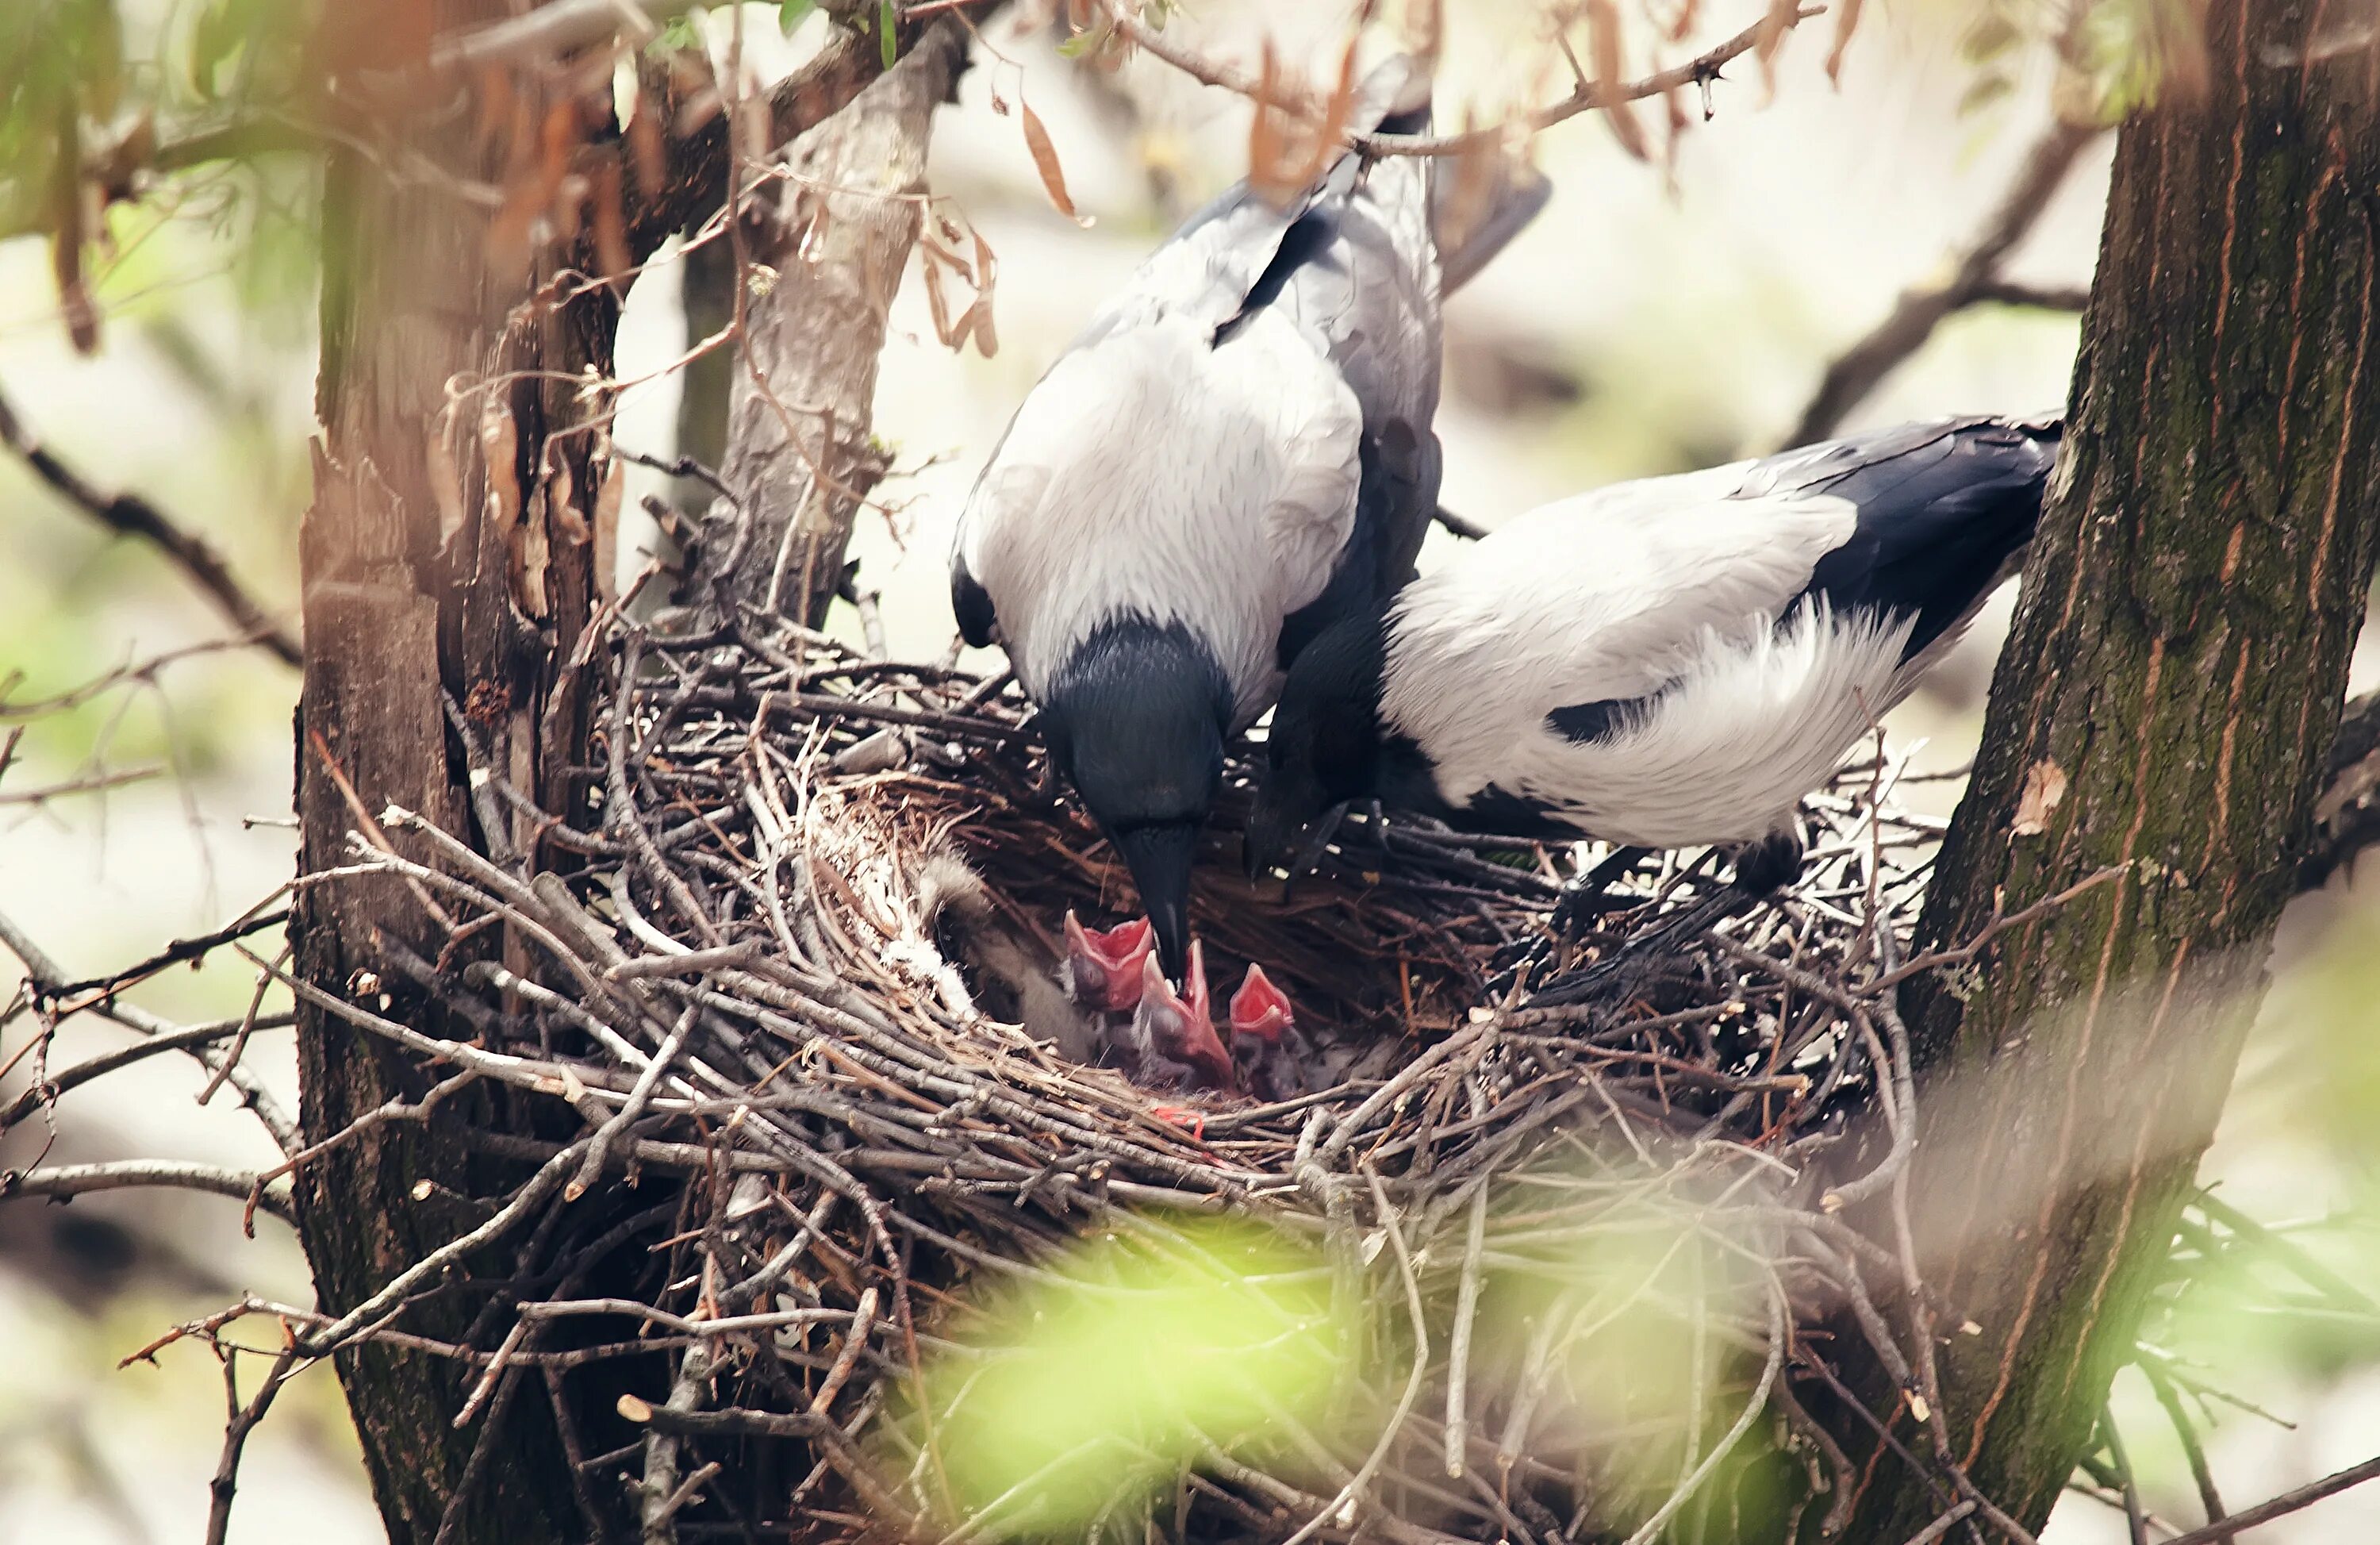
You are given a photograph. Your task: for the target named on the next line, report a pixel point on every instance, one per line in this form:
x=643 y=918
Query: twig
x=1941 y=1525
x=130 y=515
x=240 y=1422
x=179 y=952
x=2281 y=1506
x=2184 y=1430
x=124 y=1175
x=47 y=1089
x=1458 y=1356
x=1959 y=955
x=1468 y=530
x=1585 y=98
x=2128 y=1486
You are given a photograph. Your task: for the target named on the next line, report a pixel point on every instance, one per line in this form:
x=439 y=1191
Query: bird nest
x=864 y=1241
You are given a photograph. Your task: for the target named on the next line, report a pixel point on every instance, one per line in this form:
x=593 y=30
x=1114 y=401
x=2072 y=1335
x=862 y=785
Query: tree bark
x=452 y=562
x=2166 y=704
x=835 y=234
x=448 y=555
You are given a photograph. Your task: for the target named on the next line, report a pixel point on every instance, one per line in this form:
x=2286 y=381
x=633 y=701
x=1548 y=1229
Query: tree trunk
x=448 y=556
x=452 y=560
x=830 y=241
x=2165 y=704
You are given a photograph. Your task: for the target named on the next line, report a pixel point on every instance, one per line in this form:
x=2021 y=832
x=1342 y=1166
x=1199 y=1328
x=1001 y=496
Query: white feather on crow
x=1668 y=662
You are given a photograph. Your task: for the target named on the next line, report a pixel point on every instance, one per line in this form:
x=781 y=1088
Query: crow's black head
x=1135 y=719
x=1325 y=746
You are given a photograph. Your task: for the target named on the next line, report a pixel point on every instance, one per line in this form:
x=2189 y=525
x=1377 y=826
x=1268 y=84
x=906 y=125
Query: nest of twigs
x=787 y=980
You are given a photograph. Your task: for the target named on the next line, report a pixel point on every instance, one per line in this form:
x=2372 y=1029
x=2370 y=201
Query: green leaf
x=677 y=35
x=887 y=37
x=1083 y=43
x=793 y=13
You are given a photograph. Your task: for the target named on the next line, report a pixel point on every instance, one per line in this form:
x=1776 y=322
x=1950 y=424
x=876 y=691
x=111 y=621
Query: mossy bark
x=2163 y=708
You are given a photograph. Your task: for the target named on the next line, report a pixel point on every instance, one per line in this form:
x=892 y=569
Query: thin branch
x=1587 y=97
x=2184 y=1430
x=2044 y=297
x=68 y=1181
x=176 y=953
x=239 y=1423
x=1456 y=525
x=38 y=1094
x=1974 y=278
x=130 y=515
x=41 y=970
x=2287 y=1502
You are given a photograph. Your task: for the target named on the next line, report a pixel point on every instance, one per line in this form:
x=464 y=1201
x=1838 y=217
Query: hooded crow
x=1663 y=663
x=1235 y=453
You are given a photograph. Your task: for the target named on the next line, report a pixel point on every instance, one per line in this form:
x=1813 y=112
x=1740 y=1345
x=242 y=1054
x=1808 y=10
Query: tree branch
x=74 y=1180
x=1975 y=279
x=43 y=971
x=130 y=515
x=1589 y=96
x=2287 y=1502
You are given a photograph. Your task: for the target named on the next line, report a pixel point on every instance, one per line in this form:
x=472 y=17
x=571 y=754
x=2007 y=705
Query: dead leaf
x=1603 y=45
x=1286 y=148
x=607 y=523
x=1044 y=161
x=2044 y=787
x=1779 y=20
x=1847 y=19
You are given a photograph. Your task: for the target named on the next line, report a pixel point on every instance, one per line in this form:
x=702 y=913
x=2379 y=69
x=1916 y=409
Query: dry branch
x=821 y=244
x=1587 y=97
x=131 y=515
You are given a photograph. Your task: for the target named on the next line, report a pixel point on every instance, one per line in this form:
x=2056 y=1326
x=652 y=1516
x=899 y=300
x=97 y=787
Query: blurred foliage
x=2114 y=57
x=1086 y=1390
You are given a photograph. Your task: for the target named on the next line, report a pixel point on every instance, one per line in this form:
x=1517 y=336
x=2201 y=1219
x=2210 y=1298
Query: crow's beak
x=1159 y=857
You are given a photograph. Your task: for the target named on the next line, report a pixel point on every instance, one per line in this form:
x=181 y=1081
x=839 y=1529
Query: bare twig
x=130 y=515
x=68 y=1181
x=2281 y=1506
x=1587 y=97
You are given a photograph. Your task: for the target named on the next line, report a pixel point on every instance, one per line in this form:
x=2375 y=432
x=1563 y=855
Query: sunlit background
x=1656 y=318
